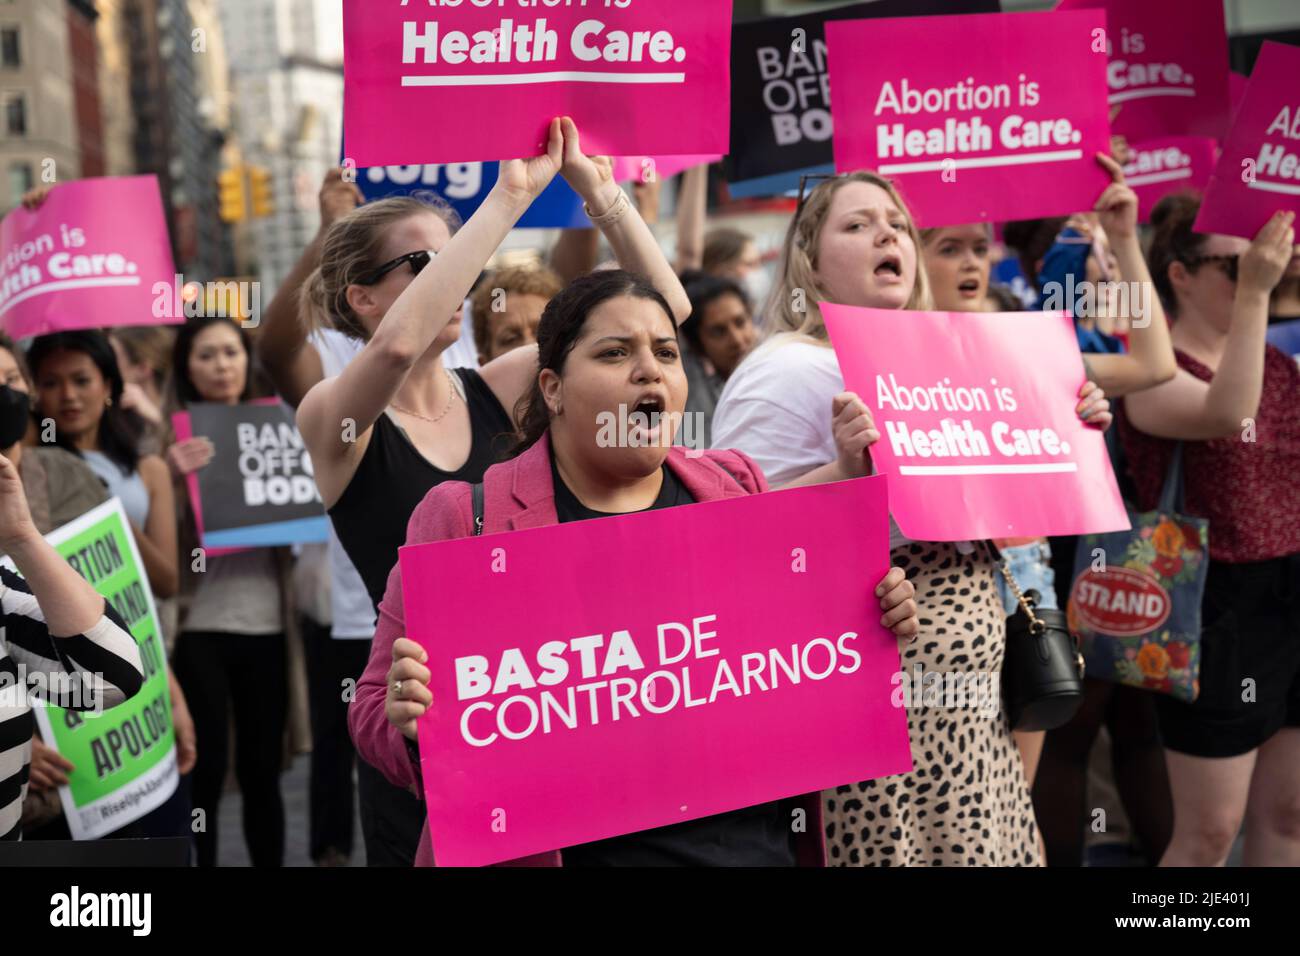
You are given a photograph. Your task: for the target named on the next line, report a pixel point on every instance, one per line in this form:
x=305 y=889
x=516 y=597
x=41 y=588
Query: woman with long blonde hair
x=853 y=241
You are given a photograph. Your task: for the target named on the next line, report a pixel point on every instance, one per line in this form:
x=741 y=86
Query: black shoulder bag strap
x=477 y=494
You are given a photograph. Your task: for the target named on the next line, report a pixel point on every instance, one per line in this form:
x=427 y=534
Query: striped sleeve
x=97 y=669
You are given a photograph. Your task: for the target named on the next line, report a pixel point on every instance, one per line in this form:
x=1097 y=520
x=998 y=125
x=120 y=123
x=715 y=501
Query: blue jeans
x=1031 y=566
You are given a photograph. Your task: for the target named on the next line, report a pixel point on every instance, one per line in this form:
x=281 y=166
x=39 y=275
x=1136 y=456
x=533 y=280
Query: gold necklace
x=443 y=414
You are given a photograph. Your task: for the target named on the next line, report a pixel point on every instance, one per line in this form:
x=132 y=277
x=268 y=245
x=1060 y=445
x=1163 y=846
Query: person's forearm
x=70 y=605
x=639 y=251
x=159 y=566
x=423 y=310
x=822 y=475
x=692 y=203
x=281 y=337
x=1149 y=342
x=1234 y=393
x=574 y=253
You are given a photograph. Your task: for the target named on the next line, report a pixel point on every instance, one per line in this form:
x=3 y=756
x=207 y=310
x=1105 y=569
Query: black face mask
x=15 y=413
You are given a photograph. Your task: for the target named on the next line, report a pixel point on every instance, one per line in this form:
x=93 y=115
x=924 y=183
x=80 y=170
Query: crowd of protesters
x=454 y=370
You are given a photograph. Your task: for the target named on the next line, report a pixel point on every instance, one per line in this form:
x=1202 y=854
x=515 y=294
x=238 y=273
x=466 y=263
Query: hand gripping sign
x=976 y=414
x=645 y=680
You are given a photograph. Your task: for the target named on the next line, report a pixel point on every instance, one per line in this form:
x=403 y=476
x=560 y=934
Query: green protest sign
x=125 y=757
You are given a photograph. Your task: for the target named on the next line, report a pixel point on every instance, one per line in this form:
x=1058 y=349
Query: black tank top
x=393 y=477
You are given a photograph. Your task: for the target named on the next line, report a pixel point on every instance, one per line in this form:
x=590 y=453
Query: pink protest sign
x=430 y=83
x=977 y=118
x=644 y=169
x=1236 y=90
x=1168 y=69
x=976 y=412
x=626 y=673
x=89 y=257
x=1161 y=166
x=1258 y=172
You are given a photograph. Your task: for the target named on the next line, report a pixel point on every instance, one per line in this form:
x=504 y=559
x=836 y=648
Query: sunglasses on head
x=418 y=261
x=1227 y=263
x=816 y=179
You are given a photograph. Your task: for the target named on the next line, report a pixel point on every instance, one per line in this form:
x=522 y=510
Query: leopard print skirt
x=966 y=802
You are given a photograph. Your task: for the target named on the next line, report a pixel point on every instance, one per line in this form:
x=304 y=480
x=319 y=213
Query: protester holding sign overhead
x=853 y=242
x=394 y=422
x=1233 y=753
x=232 y=653
x=607 y=344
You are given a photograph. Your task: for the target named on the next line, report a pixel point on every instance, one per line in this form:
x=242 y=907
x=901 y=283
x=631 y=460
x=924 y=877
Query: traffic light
x=230 y=183
x=260 y=191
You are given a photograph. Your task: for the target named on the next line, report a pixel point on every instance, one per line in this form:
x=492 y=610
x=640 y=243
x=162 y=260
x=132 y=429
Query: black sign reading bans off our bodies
x=781 y=111
x=259 y=489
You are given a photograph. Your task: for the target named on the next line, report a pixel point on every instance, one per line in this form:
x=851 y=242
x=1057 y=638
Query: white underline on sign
x=1158 y=177
x=1019 y=159
x=1048 y=469
x=1275 y=187
x=557 y=76
x=47 y=288
x=1153 y=91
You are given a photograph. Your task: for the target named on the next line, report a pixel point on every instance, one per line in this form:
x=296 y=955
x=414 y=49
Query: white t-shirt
x=354 y=615
x=776 y=408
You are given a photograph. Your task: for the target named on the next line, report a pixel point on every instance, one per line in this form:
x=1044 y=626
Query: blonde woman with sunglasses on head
x=966 y=803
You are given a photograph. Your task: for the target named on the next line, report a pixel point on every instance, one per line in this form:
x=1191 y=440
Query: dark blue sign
x=466 y=185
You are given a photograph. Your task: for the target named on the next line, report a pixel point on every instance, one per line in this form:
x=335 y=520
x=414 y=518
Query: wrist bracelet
x=617 y=210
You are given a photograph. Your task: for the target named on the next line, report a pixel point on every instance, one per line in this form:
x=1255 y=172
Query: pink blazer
x=519 y=494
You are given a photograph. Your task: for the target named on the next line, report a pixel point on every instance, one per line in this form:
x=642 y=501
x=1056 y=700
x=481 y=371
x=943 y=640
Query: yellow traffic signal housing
x=230 y=183
x=261 y=192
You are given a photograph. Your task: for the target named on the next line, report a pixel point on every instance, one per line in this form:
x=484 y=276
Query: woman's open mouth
x=645 y=421
x=889 y=269
x=969 y=289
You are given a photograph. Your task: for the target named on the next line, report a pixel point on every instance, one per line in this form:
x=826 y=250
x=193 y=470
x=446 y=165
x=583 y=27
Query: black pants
x=392 y=819
x=245 y=676
x=330 y=664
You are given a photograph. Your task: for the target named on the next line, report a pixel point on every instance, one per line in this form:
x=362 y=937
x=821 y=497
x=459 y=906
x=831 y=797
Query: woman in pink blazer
x=607 y=345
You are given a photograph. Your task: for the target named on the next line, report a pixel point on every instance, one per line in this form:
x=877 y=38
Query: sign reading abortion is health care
x=1168 y=66
x=1258 y=172
x=1161 y=166
x=89 y=257
x=997 y=116
x=978 y=431
x=448 y=82
x=258 y=490
x=639 y=681
x=782 y=126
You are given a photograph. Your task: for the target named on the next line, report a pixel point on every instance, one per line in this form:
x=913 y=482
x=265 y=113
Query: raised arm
x=1189 y=409
x=281 y=337
x=633 y=243
x=692 y=207
x=1150 y=358
x=365 y=388
x=54 y=621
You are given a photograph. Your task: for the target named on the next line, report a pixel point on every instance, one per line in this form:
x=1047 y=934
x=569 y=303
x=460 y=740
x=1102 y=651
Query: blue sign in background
x=466 y=185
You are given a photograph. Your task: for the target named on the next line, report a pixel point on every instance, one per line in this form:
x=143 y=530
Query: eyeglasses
x=1227 y=263
x=418 y=261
